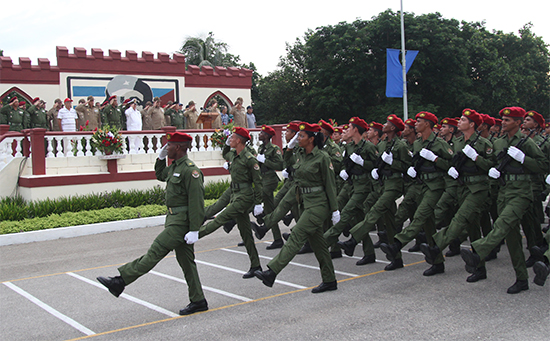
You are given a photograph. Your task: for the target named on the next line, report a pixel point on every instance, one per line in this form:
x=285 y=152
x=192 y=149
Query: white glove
x=357 y=159
x=226 y=165
x=227 y=142
x=374 y=173
x=260 y=158
x=163 y=152
x=428 y=155
x=411 y=172
x=453 y=173
x=387 y=158
x=516 y=154
x=285 y=173
x=293 y=142
x=470 y=152
x=494 y=173
x=191 y=237
x=258 y=209
x=343 y=174
x=335 y=217
x=548 y=179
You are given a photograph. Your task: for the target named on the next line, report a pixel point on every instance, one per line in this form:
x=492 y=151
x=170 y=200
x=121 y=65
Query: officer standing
x=13 y=115
x=37 y=114
x=246 y=192
x=176 y=117
x=516 y=169
x=271 y=160
x=112 y=114
x=317 y=198
x=185 y=201
x=89 y=113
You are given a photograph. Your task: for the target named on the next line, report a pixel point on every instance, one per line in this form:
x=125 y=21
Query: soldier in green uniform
x=473 y=158
x=185 y=201
x=317 y=197
x=14 y=115
x=431 y=162
x=246 y=192
x=37 y=114
x=542 y=254
x=516 y=168
x=112 y=113
x=271 y=160
x=176 y=117
x=394 y=161
x=359 y=161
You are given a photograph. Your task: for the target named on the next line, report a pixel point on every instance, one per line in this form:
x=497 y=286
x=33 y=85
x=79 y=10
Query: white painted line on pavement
x=242 y=272
x=126 y=296
x=294 y=263
x=49 y=309
x=217 y=291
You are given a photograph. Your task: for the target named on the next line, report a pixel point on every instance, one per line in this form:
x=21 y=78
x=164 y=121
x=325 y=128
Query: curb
x=80 y=230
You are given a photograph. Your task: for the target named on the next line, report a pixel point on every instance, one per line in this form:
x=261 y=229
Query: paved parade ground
x=49 y=292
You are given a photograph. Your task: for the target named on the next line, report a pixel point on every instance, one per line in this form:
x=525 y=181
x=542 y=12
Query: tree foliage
x=207 y=51
x=340 y=71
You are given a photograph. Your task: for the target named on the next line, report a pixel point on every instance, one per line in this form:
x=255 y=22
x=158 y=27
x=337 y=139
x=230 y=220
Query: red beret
x=293 y=126
x=267 y=129
x=488 y=120
x=345 y=126
x=427 y=116
x=22 y=103
x=436 y=126
x=473 y=116
x=449 y=121
x=498 y=122
x=376 y=125
x=67 y=100
x=512 y=112
x=178 y=137
x=314 y=128
x=112 y=97
x=242 y=132
x=326 y=126
x=396 y=121
x=35 y=99
x=13 y=99
x=410 y=122
x=126 y=100
x=536 y=116
x=357 y=121
x=338 y=130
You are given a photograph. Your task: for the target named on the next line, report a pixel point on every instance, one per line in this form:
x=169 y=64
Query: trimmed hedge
x=84 y=218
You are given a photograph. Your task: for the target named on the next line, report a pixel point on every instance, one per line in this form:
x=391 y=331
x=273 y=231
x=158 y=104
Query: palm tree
x=207 y=51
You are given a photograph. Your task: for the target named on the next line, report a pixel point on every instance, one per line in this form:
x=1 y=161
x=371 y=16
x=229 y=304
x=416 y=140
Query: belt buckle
x=170 y=210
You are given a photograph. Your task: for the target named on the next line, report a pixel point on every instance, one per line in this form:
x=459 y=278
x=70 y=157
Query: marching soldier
x=185 y=201
x=430 y=163
x=520 y=158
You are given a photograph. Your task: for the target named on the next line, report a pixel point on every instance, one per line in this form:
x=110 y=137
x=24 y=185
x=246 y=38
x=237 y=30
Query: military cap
x=67 y=100
x=178 y=137
x=536 y=116
x=242 y=132
x=473 y=116
x=396 y=121
x=314 y=128
x=359 y=122
x=35 y=99
x=267 y=129
x=376 y=125
x=13 y=99
x=512 y=112
x=488 y=120
x=498 y=122
x=112 y=97
x=427 y=116
x=327 y=126
x=293 y=126
x=449 y=121
x=410 y=122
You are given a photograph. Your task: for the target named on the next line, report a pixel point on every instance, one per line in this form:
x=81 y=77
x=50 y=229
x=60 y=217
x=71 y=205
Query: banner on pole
x=394 y=72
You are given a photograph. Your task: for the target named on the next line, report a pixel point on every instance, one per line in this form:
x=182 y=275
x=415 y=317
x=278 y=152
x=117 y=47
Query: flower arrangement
x=221 y=135
x=107 y=140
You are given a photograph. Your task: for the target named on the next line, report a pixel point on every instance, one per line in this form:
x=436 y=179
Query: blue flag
x=394 y=73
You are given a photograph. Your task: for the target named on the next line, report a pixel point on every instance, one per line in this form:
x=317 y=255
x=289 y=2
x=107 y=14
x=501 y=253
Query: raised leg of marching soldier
x=408 y=205
x=447 y=204
x=220 y=204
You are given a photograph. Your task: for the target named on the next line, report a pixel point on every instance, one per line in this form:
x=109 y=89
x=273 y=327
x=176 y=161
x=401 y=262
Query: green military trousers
x=172 y=238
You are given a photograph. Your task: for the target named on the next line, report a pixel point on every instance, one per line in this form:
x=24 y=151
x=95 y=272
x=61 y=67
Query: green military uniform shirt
x=273 y=158
x=244 y=168
x=474 y=173
x=177 y=119
x=112 y=116
x=37 y=117
x=16 y=118
x=184 y=187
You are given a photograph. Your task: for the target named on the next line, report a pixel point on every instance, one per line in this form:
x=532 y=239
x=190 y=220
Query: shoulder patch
x=489 y=151
x=256 y=167
x=278 y=151
x=331 y=166
x=338 y=154
x=195 y=174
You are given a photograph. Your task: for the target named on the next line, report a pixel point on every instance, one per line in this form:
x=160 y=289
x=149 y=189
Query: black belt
x=306 y=190
x=240 y=185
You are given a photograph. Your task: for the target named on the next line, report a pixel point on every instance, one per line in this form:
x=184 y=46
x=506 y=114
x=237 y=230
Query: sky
x=255 y=30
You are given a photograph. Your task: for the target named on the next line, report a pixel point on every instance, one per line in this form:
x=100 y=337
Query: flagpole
x=404 y=66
